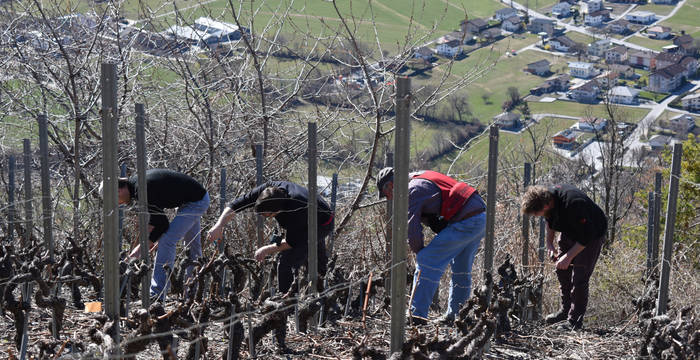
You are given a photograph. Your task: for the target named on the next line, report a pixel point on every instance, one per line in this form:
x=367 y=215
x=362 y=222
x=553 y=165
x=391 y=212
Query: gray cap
x=385 y=175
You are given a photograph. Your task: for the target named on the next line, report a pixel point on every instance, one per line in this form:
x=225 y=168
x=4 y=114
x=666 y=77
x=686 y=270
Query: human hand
x=262 y=253
x=551 y=251
x=564 y=262
x=135 y=252
x=215 y=233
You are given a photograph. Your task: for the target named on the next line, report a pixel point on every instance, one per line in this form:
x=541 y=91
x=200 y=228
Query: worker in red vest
x=456 y=213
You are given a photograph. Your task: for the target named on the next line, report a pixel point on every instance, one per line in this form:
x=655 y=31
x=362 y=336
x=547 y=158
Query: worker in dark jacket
x=168 y=189
x=455 y=212
x=582 y=225
x=288 y=204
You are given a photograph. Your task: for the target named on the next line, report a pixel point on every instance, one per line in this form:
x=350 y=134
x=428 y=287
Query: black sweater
x=167 y=189
x=576 y=215
x=293 y=216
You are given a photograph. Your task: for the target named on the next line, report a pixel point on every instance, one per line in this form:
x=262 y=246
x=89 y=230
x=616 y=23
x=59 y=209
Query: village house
x=450 y=48
x=664 y=2
x=691 y=102
x=681 y=124
x=582 y=69
x=540 y=67
x=623 y=95
x=505 y=13
x=591 y=124
x=553 y=84
x=608 y=79
x=219 y=31
x=565 y=139
x=642 y=59
x=641 y=17
x=687 y=44
x=512 y=24
x=659 y=32
x=691 y=66
x=596 y=18
x=667 y=59
x=562 y=43
x=659 y=142
x=424 y=53
x=474 y=26
x=599 y=47
x=625 y=71
x=620 y=26
x=491 y=34
x=667 y=79
x=507 y=120
x=640 y=2
x=561 y=10
x=591 y=6
x=616 y=55
x=586 y=93
x=539 y=25
x=455 y=35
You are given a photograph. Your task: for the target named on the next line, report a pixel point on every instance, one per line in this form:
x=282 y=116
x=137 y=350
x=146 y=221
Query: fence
x=397 y=214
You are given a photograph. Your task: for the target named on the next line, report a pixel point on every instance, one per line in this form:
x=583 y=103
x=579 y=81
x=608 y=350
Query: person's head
x=270 y=201
x=123 y=193
x=385 y=183
x=537 y=201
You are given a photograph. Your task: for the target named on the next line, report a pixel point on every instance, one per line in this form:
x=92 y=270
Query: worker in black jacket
x=287 y=203
x=168 y=189
x=582 y=225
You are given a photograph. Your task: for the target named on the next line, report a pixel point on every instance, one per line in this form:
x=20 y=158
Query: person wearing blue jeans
x=169 y=189
x=455 y=212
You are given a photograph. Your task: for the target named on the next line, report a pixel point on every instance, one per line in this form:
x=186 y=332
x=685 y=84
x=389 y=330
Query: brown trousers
x=573 y=281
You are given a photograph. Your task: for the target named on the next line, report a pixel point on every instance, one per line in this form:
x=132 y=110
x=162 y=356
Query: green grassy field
x=569 y=108
x=514 y=145
x=392 y=21
x=660 y=10
x=542 y=4
x=497 y=74
x=650 y=43
x=579 y=37
x=686 y=19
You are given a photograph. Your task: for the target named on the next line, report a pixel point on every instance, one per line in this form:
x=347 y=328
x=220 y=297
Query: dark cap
x=384 y=176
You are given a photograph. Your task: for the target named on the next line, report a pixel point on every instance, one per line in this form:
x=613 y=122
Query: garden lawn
x=579 y=37
x=540 y=5
x=629 y=114
x=652 y=44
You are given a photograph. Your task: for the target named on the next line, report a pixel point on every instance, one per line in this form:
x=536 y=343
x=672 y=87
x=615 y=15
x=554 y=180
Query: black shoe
x=417 y=320
x=556 y=317
x=569 y=326
x=446 y=320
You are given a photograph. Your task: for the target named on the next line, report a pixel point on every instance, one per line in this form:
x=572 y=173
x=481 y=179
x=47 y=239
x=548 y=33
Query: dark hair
x=384 y=176
x=535 y=199
x=271 y=200
x=123 y=182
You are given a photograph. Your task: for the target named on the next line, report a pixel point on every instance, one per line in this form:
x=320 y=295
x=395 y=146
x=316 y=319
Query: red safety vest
x=454 y=193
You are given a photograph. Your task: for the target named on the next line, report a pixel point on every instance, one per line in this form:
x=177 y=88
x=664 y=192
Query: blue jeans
x=187 y=225
x=456 y=245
